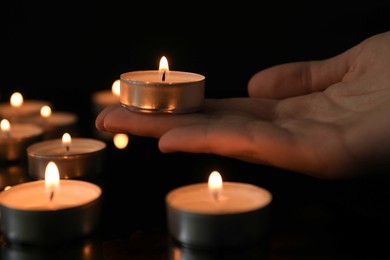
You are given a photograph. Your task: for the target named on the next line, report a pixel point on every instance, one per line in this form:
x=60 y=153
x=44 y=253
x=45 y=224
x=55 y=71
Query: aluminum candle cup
x=145 y=91
x=28 y=216
x=238 y=219
x=13 y=144
x=83 y=160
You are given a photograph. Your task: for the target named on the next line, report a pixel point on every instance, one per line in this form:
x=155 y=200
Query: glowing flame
x=45 y=111
x=5 y=126
x=66 y=140
x=52 y=177
x=16 y=99
x=116 y=88
x=164 y=68
x=121 y=141
x=215 y=184
x=164 y=64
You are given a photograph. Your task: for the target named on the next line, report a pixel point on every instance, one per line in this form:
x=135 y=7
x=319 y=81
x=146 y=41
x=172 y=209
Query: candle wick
x=163 y=75
x=215 y=195
x=51 y=195
x=67 y=148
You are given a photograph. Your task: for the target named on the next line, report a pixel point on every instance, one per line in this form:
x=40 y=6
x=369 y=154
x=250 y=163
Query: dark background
x=64 y=52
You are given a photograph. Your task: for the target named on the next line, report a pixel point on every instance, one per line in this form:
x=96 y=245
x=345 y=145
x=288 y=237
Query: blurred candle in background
x=55 y=123
x=79 y=157
x=18 y=109
x=15 y=138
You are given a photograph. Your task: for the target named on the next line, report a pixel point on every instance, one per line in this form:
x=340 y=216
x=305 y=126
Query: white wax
x=21 y=131
x=33 y=195
x=155 y=77
x=235 y=198
x=55 y=147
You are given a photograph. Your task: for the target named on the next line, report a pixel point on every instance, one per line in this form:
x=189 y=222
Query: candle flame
x=164 y=68
x=116 y=88
x=215 y=184
x=5 y=126
x=45 y=111
x=16 y=99
x=121 y=140
x=66 y=140
x=52 y=177
x=163 y=64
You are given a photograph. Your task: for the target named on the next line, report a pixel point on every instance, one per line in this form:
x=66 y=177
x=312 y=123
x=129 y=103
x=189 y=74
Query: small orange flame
x=5 y=126
x=45 y=111
x=16 y=99
x=116 y=88
x=52 y=177
x=215 y=184
x=66 y=141
x=163 y=64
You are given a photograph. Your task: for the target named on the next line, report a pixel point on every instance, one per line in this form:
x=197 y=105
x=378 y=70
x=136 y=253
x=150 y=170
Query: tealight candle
x=218 y=214
x=18 y=109
x=15 y=138
x=79 y=158
x=39 y=213
x=55 y=123
x=105 y=98
x=162 y=91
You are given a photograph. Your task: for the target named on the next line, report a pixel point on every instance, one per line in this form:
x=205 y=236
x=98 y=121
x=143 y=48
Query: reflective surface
x=310 y=218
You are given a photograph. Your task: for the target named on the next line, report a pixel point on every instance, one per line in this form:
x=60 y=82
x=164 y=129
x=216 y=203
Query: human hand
x=328 y=119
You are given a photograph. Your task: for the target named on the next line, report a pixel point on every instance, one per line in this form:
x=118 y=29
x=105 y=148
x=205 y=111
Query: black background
x=64 y=52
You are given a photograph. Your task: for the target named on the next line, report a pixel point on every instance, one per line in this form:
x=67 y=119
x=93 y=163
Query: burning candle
x=55 y=123
x=162 y=91
x=104 y=98
x=49 y=211
x=79 y=158
x=15 y=138
x=18 y=109
x=218 y=214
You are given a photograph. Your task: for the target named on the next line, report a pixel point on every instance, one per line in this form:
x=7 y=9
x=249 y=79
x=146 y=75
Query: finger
x=299 y=78
x=120 y=119
x=99 y=121
x=252 y=141
x=293 y=146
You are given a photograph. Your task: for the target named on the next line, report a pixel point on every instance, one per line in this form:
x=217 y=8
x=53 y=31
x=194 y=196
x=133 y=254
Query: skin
x=328 y=118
